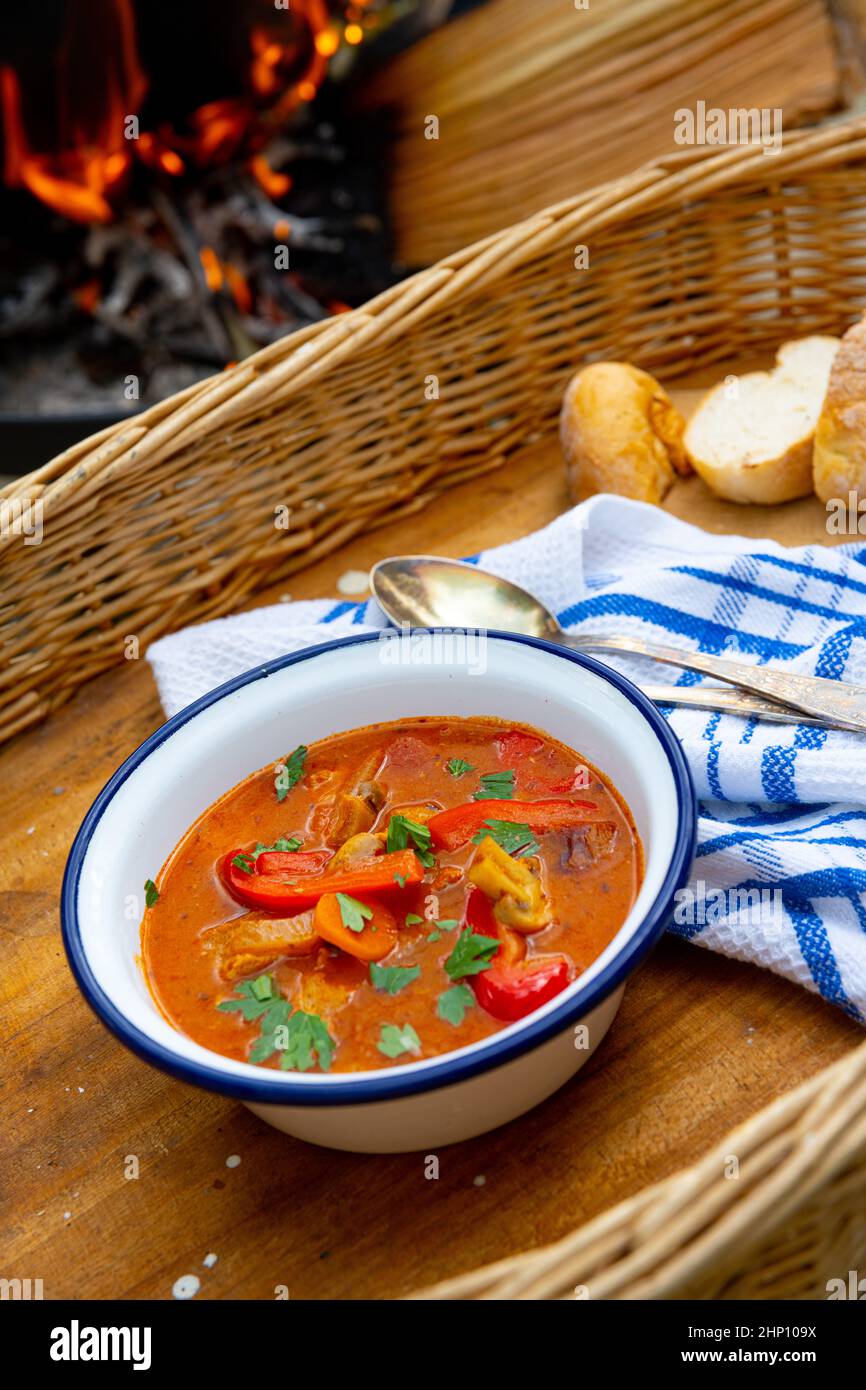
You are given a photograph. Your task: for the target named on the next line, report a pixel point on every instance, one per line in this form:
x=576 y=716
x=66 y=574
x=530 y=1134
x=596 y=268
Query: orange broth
x=587 y=879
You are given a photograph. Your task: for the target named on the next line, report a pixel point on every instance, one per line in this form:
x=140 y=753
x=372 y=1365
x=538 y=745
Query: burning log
x=31 y=309
x=172 y=224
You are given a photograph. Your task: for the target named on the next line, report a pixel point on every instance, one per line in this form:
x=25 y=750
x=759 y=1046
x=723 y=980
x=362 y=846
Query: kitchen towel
x=780 y=874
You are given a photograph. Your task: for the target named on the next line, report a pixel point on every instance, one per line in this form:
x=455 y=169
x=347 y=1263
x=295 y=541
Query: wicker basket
x=546 y=102
x=792 y=1219
x=169 y=519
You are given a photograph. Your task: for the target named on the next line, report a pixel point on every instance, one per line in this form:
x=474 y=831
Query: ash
x=187 y=278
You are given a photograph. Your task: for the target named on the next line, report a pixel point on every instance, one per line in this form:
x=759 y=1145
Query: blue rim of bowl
x=448 y=1069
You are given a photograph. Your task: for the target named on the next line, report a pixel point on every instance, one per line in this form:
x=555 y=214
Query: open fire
x=181 y=187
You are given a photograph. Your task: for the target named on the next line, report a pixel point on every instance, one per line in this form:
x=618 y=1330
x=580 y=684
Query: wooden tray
x=699 y=1044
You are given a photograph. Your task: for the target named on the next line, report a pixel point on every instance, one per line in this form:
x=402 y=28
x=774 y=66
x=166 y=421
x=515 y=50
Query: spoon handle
x=842 y=704
x=720 y=698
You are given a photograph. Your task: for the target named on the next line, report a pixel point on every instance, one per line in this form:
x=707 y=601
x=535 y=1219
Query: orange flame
x=308 y=82
x=213 y=271
x=219 y=273
x=220 y=130
x=239 y=287
x=83 y=177
x=156 y=155
x=275 y=184
x=86 y=296
x=79 y=178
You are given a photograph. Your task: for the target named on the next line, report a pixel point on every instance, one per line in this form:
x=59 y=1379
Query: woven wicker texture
x=775 y=1211
x=170 y=518
x=548 y=100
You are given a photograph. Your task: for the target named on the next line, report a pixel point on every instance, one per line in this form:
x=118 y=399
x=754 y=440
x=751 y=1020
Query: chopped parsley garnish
x=512 y=836
x=443 y=924
x=392 y=978
x=454 y=1002
x=400 y=880
x=290 y=772
x=151 y=892
x=300 y=1038
x=412 y=919
x=284 y=845
x=353 y=913
x=255 y=997
x=308 y=1040
x=401 y=830
x=275 y=1019
x=394 y=1041
x=495 y=786
x=472 y=953
x=247 y=862
x=458 y=767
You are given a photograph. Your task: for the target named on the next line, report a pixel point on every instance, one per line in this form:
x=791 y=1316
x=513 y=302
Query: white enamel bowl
x=163 y=787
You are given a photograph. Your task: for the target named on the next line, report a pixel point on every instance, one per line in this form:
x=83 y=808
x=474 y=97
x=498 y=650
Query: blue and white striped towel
x=783 y=807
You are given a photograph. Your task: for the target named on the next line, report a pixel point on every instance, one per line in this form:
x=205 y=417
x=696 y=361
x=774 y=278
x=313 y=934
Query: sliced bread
x=840 y=439
x=751 y=437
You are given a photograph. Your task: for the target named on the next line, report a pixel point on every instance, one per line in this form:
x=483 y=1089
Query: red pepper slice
x=515 y=745
x=281 y=894
x=478 y=915
x=511 y=988
x=289 y=862
x=451 y=829
x=578 y=781
x=509 y=992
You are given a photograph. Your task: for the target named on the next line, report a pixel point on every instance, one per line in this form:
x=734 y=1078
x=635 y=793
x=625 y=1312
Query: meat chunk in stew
x=587 y=844
x=253 y=941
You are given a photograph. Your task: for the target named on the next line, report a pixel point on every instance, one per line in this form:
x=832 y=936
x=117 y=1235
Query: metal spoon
x=429 y=591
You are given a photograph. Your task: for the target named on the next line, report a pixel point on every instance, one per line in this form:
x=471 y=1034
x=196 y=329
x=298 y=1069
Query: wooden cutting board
x=699 y=1044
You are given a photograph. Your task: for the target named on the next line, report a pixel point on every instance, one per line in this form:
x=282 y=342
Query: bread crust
x=839 y=459
x=620 y=433
x=765 y=483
